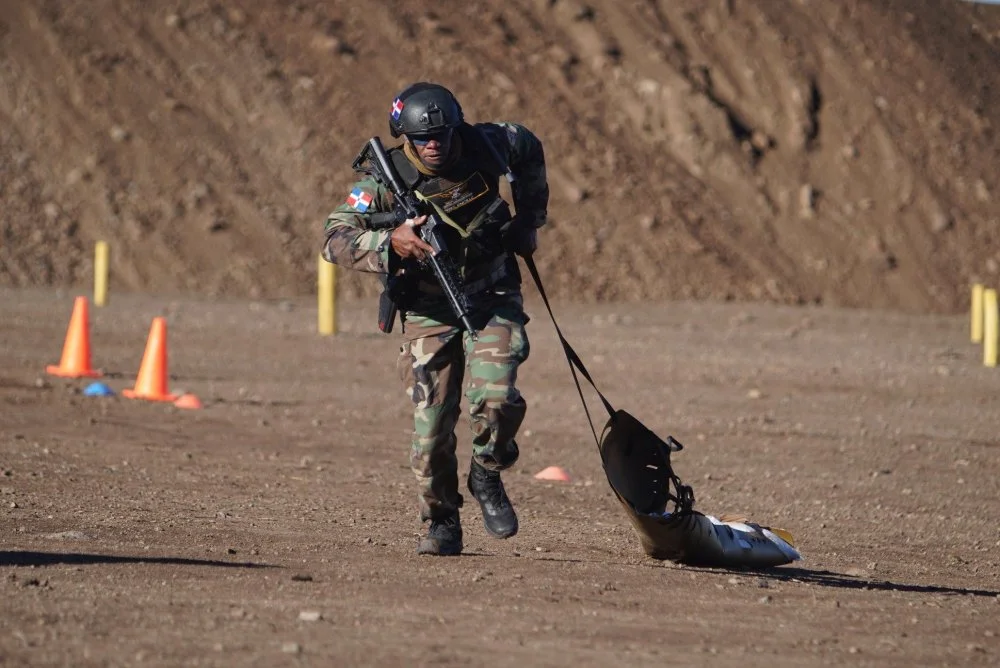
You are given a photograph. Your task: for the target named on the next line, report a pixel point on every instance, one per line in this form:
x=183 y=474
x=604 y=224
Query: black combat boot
x=444 y=538
x=498 y=514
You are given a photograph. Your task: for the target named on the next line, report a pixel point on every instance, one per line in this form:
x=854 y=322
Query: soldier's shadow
x=29 y=558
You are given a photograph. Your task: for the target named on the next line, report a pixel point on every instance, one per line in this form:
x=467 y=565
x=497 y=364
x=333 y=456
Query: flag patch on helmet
x=359 y=200
x=397 y=109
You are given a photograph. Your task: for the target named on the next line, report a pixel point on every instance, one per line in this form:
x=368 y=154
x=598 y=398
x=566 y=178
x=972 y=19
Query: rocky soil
x=837 y=153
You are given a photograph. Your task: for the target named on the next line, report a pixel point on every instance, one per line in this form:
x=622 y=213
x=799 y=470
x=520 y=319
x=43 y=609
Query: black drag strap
x=574 y=360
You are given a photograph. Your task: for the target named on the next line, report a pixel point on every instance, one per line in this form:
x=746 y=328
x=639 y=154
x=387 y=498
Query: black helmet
x=424 y=108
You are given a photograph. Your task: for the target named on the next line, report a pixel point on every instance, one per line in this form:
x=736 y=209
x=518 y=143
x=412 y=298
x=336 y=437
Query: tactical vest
x=467 y=198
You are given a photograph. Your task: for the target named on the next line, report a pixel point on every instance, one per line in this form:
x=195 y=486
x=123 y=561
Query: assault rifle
x=373 y=160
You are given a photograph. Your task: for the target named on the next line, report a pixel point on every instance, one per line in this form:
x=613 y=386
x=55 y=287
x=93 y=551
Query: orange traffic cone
x=151 y=384
x=75 y=362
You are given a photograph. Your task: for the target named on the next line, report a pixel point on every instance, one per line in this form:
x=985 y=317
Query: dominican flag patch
x=359 y=200
x=397 y=109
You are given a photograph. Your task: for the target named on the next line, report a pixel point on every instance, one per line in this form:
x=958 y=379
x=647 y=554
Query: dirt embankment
x=837 y=152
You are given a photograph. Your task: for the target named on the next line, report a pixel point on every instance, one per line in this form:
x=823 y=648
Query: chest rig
x=466 y=196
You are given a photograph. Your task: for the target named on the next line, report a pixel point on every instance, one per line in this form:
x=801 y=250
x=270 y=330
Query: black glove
x=521 y=238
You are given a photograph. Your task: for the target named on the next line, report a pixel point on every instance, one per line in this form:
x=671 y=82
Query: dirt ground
x=704 y=157
x=137 y=533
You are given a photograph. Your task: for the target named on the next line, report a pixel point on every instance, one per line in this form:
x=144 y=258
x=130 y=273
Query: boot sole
x=501 y=536
x=437 y=551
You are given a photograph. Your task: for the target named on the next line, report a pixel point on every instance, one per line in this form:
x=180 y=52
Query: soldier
x=456 y=168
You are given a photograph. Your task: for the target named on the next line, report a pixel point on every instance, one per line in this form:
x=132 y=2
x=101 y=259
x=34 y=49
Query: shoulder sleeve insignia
x=359 y=200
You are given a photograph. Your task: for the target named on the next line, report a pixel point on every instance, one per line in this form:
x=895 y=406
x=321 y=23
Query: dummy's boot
x=444 y=538
x=498 y=513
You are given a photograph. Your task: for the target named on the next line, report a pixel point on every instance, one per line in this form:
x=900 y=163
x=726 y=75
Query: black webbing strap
x=571 y=356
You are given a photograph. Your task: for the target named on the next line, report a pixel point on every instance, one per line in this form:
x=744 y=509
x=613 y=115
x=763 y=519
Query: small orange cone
x=188 y=401
x=75 y=362
x=553 y=473
x=151 y=384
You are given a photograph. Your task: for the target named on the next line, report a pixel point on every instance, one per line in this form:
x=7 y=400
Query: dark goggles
x=441 y=137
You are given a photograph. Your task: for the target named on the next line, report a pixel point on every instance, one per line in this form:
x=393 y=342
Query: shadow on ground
x=53 y=558
x=841 y=581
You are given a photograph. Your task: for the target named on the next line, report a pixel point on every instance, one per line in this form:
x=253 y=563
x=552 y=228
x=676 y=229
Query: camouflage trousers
x=434 y=362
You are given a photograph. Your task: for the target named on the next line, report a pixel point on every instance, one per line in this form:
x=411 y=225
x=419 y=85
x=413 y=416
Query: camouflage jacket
x=468 y=192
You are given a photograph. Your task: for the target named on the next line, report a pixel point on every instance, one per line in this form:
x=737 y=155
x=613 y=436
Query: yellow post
x=990 y=328
x=101 y=273
x=327 y=292
x=976 y=309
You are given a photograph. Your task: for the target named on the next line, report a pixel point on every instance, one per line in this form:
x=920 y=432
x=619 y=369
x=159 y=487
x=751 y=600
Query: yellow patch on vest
x=461 y=194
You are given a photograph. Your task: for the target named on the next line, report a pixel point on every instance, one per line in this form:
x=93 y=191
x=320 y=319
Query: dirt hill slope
x=796 y=151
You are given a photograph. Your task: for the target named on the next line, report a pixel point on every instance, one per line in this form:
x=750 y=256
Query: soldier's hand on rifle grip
x=407 y=243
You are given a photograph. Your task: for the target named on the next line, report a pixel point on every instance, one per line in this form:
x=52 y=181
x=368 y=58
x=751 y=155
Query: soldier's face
x=432 y=149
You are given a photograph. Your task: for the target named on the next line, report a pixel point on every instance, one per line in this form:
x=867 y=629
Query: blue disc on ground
x=98 y=390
